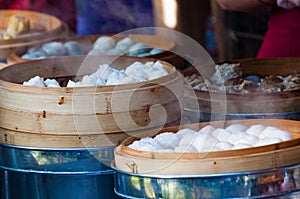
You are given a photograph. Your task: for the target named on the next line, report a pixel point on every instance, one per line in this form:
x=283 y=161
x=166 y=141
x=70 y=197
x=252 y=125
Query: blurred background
x=226 y=35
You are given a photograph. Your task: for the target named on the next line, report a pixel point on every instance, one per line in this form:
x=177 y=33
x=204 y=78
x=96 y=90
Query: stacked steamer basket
x=62 y=139
x=283 y=104
x=269 y=171
x=164 y=45
x=43 y=28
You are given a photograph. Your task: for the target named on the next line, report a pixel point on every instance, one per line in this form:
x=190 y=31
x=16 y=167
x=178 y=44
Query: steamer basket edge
x=257 y=158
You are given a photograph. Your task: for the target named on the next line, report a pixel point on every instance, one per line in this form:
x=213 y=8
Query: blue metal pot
x=279 y=183
x=40 y=173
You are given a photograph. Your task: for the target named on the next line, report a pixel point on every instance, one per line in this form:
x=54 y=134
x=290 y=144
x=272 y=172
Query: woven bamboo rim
x=255 y=158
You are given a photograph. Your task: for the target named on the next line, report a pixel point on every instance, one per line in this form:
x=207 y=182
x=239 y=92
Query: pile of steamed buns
x=106 y=75
x=208 y=139
x=104 y=45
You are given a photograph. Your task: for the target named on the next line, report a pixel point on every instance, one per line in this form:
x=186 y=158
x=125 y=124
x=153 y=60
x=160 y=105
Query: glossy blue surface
x=279 y=183
x=33 y=173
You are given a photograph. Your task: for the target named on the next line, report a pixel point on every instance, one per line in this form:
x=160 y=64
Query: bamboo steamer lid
x=87 y=41
x=43 y=28
x=83 y=116
x=230 y=161
x=249 y=103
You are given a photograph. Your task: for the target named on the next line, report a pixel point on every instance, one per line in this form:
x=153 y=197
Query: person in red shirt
x=282 y=38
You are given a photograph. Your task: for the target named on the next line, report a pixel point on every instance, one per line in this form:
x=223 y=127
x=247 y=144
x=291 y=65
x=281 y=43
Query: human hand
x=288 y=4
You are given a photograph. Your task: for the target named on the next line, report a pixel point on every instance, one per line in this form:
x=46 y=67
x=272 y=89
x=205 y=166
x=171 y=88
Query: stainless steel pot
x=279 y=183
x=40 y=173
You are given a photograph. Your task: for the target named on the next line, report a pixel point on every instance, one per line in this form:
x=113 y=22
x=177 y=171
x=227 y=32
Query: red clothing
x=283 y=36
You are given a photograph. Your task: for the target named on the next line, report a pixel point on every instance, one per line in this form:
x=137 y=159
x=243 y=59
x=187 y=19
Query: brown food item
x=17 y=25
x=247 y=87
x=233 y=82
x=225 y=72
x=272 y=84
x=230 y=75
x=292 y=82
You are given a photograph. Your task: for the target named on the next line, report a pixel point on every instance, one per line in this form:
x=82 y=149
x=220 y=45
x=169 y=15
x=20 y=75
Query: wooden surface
x=84 y=111
x=256 y=158
x=276 y=102
x=44 y=28
x=19 y=138
x=3 y=65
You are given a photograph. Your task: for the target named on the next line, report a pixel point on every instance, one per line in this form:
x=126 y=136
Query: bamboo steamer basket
x=83 y=116
x=285 y=105
x=87 y=41
x=229 y=161
x=43 y=28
